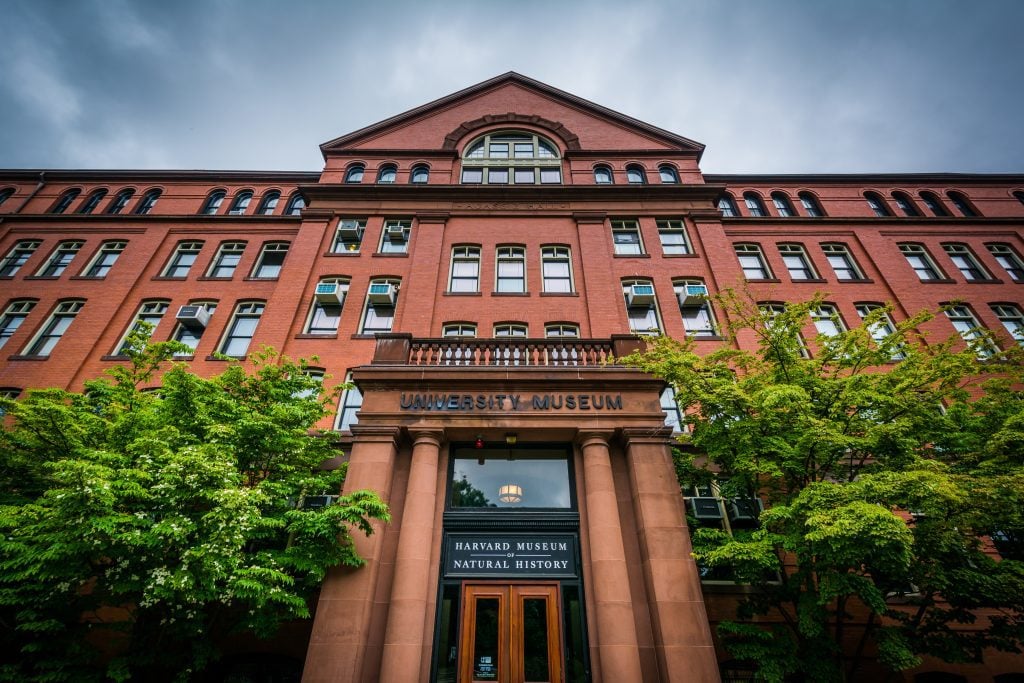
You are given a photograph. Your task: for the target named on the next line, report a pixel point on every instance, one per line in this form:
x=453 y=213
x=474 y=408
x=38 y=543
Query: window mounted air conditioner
x=317 y=502
x=705 y=508
x=193 y=316
x=745 y=509
x=693 y=295
x=329 y=293
x=350 y=231
x=396 y=233
x=382 y=293
x=641 y=295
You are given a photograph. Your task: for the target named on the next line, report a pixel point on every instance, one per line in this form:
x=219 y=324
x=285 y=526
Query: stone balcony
x=560 y=352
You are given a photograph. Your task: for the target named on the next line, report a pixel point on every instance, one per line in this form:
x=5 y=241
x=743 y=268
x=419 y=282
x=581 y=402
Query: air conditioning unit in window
x=396 y=233
x=744 y=509
x=329 y=293
x=641 y=295
x=193 y=316
x=693 y=295
x=317 y=502
x=381 y=293
x=705 y=508
x=350 y=230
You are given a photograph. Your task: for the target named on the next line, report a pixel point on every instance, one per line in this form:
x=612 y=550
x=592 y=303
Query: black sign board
x=521 y=555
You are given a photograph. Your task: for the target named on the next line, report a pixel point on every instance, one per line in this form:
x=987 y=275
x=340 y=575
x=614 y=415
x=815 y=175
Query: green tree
x=887 y=464
x=137 y=526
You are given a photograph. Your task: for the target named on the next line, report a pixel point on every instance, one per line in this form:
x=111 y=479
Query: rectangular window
x=229 y=255
x=510 y=330
x=472 y=175
x=641 y=307
x=268 y=266
x=881 y=328
x=970 y=330
x=13 y=317
x=394 y=238
x=17 y=257
x=459 y=330
x=184 y=256
x=497 y=176
x=555 y=330
x=842 y=263
x=556 y=269
x=920 y=261
x=60 y=259
x=190 y=330
x=242 y=328
x=827 y=320
x=674 y=240
x=465 y=270
x=349 y=235
x=105 y=259
x=1007 y=258
x=150 y=314
x=626 y=238
x=59 y=322
x=714 y=505
x=966 y=262
x=673 y=418
x=695 y=308
x=379 y=312
x=550 y=176
x=1012 y=319
x=351 y=402
x=510 y=275
x=525 y=176
x=769 y=313
x=752 y=262
x=797 y=263
x=328 y=301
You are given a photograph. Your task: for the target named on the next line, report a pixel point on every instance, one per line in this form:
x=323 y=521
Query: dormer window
x=511 y=158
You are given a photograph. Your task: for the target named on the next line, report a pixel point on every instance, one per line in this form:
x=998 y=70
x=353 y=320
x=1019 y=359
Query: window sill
x=6 y=277
x=986 y=281
x=764 y=279
x=183 y=357
x=385 y=255
x=314 y=335
x=372 y=335
x=559 y=293
x=224 y=358
x=17 y=357
x=631 y=256
x=510 y=294
x=114 y=356
x=811 y=280
x=42 y=277
x=342 y=253
x=706 y=337
x=87 y=277
x=856 y=281
x=210 y=278
x=260 y=279
x=166 y=278
x=939 y=281
x=462 y=294
x=679 y=256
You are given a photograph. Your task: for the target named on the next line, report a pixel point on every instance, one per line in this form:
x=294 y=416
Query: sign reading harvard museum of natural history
x=533 y=555
x=509 y=402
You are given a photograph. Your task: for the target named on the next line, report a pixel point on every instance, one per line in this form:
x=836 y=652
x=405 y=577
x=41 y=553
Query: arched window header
x=511 y=144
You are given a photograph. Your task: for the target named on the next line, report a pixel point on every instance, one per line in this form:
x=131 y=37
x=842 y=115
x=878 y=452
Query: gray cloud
x=788 y=86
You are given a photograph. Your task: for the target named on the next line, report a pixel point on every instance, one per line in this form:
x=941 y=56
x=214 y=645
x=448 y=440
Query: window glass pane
x=535 y=639
x=485 y=642
x=539 y=478
x=448 y=634
x=550 y=175
x=497 y=175
x=525 y=176
x=499 y=150
x=472 y=175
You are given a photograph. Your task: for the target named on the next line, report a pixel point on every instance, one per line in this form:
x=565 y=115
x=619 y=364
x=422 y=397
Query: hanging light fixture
x=510 y=493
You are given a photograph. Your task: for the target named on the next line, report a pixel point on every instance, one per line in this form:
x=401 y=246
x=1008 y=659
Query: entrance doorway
x=511 y=633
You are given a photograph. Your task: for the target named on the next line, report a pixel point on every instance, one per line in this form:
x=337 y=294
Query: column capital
x=426 y=435
x=592 y=437
x=366 y=433
x=645 y=435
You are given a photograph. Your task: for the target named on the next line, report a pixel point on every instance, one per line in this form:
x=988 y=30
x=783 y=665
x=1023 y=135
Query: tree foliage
x=890 y=467
x=137 y=526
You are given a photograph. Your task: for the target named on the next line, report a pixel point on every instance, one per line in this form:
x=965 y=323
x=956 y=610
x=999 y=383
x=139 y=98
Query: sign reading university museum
x=527 y=555
x=453 y=402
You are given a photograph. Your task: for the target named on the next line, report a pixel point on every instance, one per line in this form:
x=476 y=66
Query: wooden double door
x=511 y=633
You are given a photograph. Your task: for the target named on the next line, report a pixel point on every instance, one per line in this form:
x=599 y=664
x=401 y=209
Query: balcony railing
x=403 y=349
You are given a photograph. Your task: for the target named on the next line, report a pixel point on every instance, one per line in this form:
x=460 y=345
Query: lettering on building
x=508 y=402
x=539 y=555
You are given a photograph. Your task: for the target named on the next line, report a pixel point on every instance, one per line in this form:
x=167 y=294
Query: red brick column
x=682 y=637
x=616 y=630
x=338 y=643
x=404 y=638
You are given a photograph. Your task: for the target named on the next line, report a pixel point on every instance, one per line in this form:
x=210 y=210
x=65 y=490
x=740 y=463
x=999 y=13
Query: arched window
x=241 y=203
x=269 y=203
x=811 y=205
x=782 y=205
x=755 y=207
x=90 y=204
x=147 y=202
x=213 y=202
x=603 y=175
x=877 y=204
x=120 y=201
x=420 y=175
x=963 y=204
x=6 y=193
x=354 y=174
x=296 y=203
x=387 y=174
x=905 y=204
x=65 y=201
x=635 y=174
x=668 y=174
x=727 y=206
x=511 y=157
x=934 y=204
x=1018 y=194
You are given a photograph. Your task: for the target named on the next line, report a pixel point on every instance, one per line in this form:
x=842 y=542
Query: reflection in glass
x=447 y=648
x=535 y=639
x=541 y=475
x=485 y=645
x=572 y=611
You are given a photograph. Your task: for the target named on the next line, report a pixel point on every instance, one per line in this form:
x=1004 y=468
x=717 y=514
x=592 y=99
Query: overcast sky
x=789 y=86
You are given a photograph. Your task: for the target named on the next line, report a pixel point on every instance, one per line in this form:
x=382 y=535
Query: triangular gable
x=512 y=98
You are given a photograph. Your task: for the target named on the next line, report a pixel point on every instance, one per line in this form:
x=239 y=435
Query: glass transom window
x=511 y=158
x=512 y=478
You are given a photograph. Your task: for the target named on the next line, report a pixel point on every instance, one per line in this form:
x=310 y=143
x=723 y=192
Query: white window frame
x=151 y=312
x=827 y=320
x=651 y=310
x=673 y=416
x=1007 y=257
x=110 y=251
x=881 y=329
x=698 y=321
x=347 y=246
x=187 y=251
x=675 y=241
x=14 y=317
x=966 y=324
x=921 y=262
x=367 y=307
x=240 y=204
x=509 y=256
x=484 y=163
x=626 y=237
x=770 y=310
x=836 y=251
x=386 y=246
x=561 y=331
x=186 y=335
x=464 y=255
x=555 y=255
x=244 y=310
x=467 y=330
x=224 y=251
x=790 y=253
x=1012 y=319
x=348 y=405
x=511 y=329
x=270 y=248
x=61 y=258
x=18 y=256
x=752 y=261
x=966 y=262
x=56 y=325
x=783 y=205
x=318 y=308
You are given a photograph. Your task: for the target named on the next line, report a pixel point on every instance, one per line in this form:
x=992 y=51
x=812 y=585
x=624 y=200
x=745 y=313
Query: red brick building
x=470 y=263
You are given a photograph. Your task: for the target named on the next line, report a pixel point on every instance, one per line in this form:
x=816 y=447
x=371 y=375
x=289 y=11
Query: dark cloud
x=786 y=86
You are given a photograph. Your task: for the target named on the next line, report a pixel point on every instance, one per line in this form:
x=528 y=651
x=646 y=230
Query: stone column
x=341 y=628
x=682 y=636
x=405 y=634
x=615 y=626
